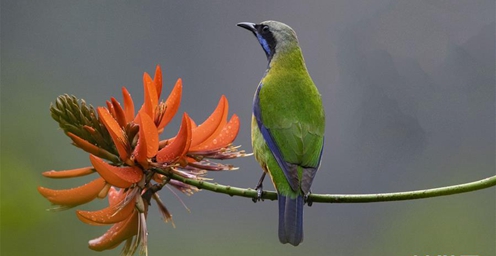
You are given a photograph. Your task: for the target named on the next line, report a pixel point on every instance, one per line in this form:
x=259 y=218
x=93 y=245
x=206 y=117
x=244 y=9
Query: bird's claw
x=307 y=200
x=259 y=190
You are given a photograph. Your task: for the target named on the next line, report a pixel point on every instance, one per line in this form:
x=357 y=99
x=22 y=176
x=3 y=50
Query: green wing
x=291 y=111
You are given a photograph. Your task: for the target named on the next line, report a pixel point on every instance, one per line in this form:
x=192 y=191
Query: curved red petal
x=115 y=132
x=147 y=146
x=69 y=173
x=139 y=152
x=122 y=177
x=73 y=196
x=110 y=108
x=172 y=104
x=151 y=98
x=116 y=234
x=157 y=79
x=193 y=124
x=112 y=214
x=211 y=124
x=224 y=138
x=150 y=133
x=128 y=105
x=83 y=144
x=92 y=149
x=115 y=195
x=119 y=112
x=217 y=130
x=179 y=145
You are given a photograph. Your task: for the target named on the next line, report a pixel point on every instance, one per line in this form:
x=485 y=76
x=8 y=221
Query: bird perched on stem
x=287 y=125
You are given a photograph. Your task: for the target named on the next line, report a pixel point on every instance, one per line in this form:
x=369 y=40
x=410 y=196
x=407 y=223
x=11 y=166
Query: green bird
x=288 y=125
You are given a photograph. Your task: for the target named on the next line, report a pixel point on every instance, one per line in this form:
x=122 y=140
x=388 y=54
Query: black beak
x=247 y=25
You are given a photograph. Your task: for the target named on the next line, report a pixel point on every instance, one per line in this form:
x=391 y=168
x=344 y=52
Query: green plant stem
x=340 y=198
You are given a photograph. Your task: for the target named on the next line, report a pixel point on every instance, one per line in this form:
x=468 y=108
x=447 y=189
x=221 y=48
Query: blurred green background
x=408 y=88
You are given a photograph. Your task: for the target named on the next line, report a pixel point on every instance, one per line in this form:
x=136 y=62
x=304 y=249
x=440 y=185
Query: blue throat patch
x=264 y=44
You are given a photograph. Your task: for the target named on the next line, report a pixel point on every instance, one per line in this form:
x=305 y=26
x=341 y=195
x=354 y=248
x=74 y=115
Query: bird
x=288 y=124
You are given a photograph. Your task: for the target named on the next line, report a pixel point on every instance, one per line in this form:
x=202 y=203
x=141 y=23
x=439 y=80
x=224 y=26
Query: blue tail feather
x=290 y=219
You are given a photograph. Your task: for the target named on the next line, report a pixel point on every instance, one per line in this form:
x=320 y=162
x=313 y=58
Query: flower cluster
x=132 y=163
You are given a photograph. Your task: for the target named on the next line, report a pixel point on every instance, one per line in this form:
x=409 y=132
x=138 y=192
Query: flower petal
x=224 y=138
x=110 y=108
x=213 y=137
x=112 y=214
x=172 y=104
x=116 y=234
x=211 y=124
x=128 y=105
x=193 y=124
x=114 y=195
x=69 y=173
x=92 y=149
x=122 y=177
x=74 y=196
x=147 y=146
x=179 y=145
x=119 y=112
x=157 y=79
x=148 y=130
x=115 y=132
x=151 y=98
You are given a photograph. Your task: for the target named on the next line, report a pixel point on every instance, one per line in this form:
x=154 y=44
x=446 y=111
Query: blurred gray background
x=409 y=94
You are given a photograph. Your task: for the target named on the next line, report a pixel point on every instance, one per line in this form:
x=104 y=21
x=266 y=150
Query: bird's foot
x=307 y=199
x=259 y=189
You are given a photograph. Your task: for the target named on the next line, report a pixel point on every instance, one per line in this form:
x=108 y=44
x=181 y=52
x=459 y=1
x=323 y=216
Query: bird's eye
x=265 y=29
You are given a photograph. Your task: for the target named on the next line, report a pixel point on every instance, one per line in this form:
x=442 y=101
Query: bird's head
x=275 y=37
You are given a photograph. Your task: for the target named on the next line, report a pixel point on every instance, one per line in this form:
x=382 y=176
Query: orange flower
x=139 y=161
